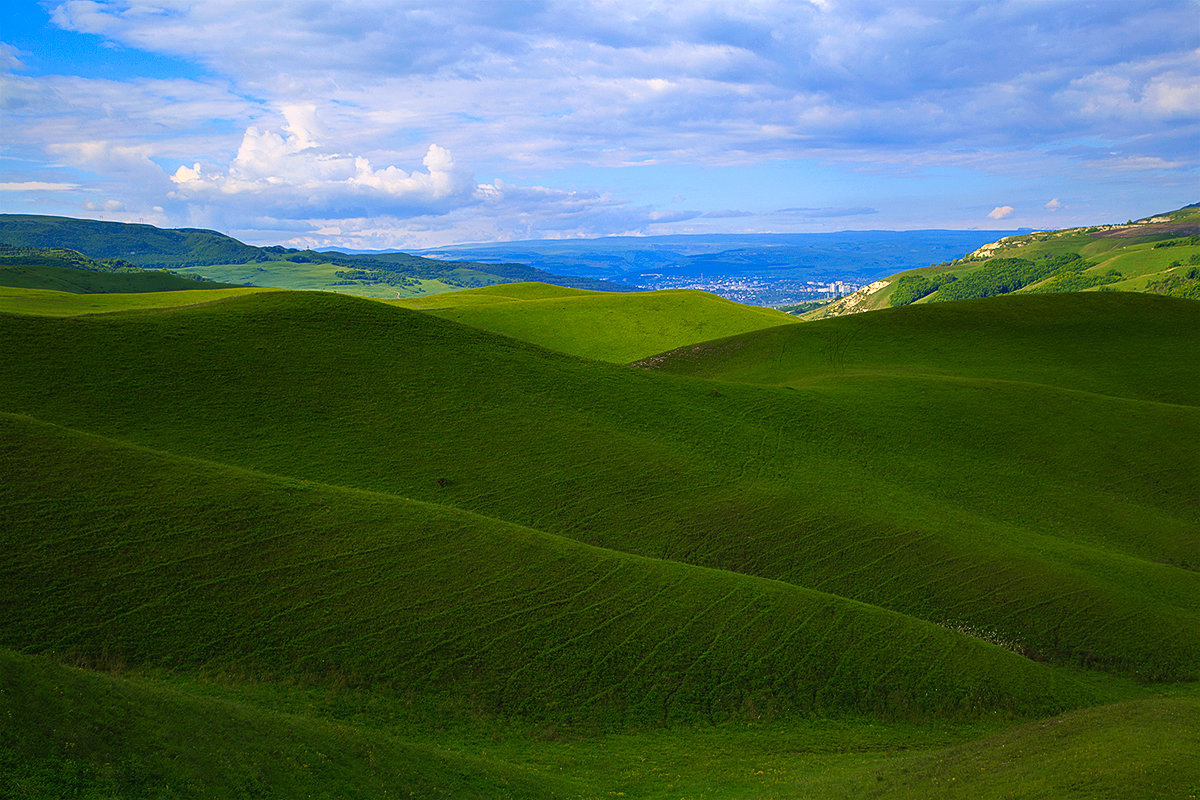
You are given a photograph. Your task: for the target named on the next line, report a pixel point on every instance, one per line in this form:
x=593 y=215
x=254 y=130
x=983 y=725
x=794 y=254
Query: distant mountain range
x=219 y=257
x=845 y=255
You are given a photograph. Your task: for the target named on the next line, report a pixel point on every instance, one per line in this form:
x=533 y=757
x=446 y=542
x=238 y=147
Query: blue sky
x=375 y=124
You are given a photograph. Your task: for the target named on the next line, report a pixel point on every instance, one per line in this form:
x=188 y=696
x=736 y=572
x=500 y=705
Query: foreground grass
x=71 y=733
x=894 y=489
x=801 y=566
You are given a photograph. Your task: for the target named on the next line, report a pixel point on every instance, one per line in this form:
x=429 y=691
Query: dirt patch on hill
x=693 y=352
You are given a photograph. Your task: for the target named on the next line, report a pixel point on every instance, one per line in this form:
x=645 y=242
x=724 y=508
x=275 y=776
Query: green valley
x=528 y=540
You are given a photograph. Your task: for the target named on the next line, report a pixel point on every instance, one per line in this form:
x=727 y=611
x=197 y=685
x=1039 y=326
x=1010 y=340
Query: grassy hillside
x=98 y=735
x=69 y=733
x=50 y=303
x=70 y=271
x=278 y=578
x=216 y=256
x=79 y=281
x=322 y=516
x=1147 y=749
x=617 y=327
x=907 y=477
x=142 y=245
x=1159 y=254
x=318 y=275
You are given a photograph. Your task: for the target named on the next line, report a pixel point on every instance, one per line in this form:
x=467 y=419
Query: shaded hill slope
x=1142 y=749
x=276 y=578
x=69 y=733
x=617 y=327
x=1057 y=521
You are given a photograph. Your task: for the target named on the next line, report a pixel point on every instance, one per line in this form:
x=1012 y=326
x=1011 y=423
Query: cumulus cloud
x=616 y=78
x=375 y=97
x=291 y=170
x=1054 y=205
x=1000 y=212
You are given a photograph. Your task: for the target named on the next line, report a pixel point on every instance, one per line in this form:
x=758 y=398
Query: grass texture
x=959 y=512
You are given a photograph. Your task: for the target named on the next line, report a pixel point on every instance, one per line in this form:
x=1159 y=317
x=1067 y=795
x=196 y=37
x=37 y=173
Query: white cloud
x=1000 y=212
x=10 y=58
x=1054 y=205
x=36 y=186
x=291 y=172
x=344 y=111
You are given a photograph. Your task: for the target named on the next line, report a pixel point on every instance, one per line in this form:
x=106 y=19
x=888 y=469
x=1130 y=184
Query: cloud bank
x=365 y=108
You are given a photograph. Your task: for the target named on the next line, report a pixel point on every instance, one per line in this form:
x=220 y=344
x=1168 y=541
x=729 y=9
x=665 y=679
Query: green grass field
x=868 y=556
x=52 y=303
x=617 y=327
x=82 y=281
x=309 y=276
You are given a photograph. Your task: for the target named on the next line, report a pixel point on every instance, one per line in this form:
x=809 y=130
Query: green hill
x=617 y=327
x=1159 y=254
x=959 y=514
x=69 y=733
x=767 y=480
x=316 y=581
x=70 y=271
x=51 y=303
x=215 y=256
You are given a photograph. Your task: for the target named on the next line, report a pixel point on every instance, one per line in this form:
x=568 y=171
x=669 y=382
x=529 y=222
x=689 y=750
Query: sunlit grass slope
x=282 y=579
x=310 y=276
x=617 y=327
x=69 y=733
x=52 y=303
x=498 y=293
x=1155 y=254
x=1051 y=512
x=1146 y=749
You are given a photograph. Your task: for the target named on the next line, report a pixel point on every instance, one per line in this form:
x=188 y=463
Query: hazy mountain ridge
x=861 y=255
x=215 y=255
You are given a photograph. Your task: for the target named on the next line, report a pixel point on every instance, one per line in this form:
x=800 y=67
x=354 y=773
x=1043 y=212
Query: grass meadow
x=367 y=550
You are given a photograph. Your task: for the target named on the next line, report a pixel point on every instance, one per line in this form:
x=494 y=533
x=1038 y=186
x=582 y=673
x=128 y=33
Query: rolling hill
x=617 y=327
x=218 y=257
x=1159 y=254
x=364 y=546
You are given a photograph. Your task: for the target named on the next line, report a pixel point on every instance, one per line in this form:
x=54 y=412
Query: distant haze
x=846 y=255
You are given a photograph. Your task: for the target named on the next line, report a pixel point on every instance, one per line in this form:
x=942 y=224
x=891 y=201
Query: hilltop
x=1159 y=254
x=65 y=270
x=617 y=327
x=217 y=257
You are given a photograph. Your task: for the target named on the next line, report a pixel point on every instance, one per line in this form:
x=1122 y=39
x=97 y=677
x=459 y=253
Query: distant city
x=753 y=290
